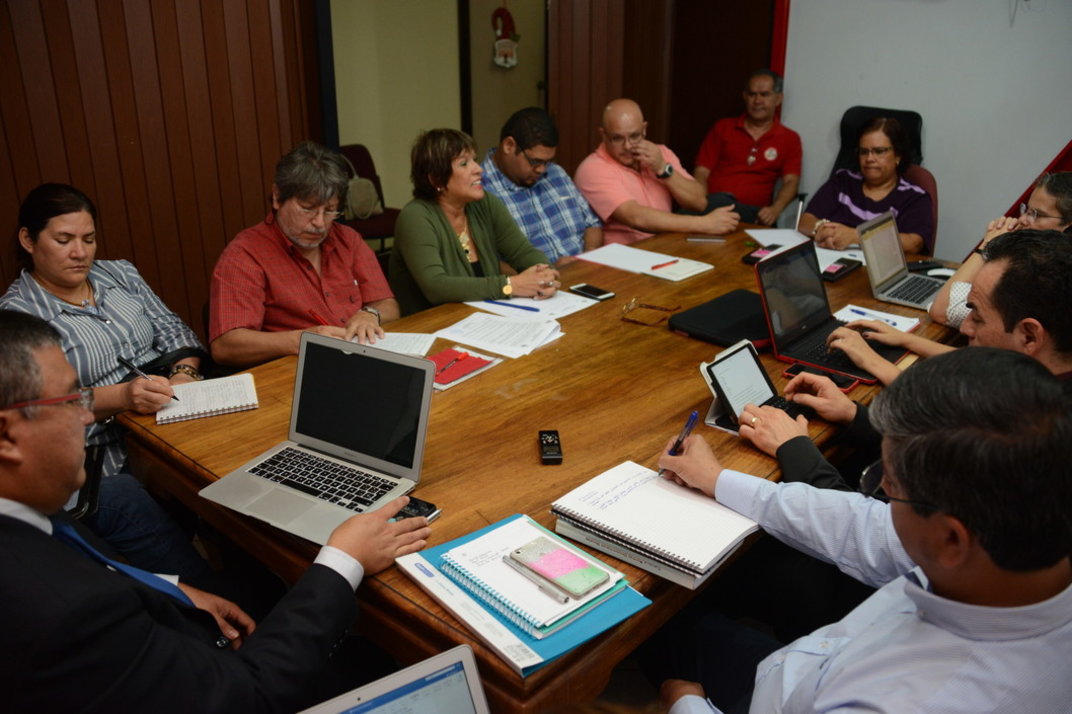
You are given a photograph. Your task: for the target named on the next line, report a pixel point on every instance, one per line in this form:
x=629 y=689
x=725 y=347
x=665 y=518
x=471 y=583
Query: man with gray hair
x=962 y=525
x=742 y=157
x=298 y=270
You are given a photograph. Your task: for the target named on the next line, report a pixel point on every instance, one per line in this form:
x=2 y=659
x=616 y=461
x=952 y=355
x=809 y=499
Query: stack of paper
x=410 y=343
x=523 y=652
x=502 y=335
x=648 y=262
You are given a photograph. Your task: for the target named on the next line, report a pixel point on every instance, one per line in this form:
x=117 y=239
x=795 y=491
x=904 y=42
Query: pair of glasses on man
x=1034 y=214
x=871 y=485
x=83 y=399
x=537 y=163
x=311 y=213
x=630 y=314
x=877 y=151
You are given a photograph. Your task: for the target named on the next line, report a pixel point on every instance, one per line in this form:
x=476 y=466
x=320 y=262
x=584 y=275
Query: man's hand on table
x=375 y=541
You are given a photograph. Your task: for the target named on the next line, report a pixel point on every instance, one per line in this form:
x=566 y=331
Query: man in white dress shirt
x=970 y=555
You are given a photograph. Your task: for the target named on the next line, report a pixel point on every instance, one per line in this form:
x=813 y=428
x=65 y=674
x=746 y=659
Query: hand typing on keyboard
x=822 y=395
x=855 y=347
x=375 y=541
x=769 y=427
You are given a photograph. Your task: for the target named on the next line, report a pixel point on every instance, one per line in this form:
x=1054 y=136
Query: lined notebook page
x=635 y=504
x=210 y=397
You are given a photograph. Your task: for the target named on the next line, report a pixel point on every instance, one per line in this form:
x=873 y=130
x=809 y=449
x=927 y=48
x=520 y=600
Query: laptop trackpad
x=279 y=507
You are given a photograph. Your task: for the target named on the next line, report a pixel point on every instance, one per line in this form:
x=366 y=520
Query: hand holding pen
x=133 y=368
x=690 y=424
x=695 y=467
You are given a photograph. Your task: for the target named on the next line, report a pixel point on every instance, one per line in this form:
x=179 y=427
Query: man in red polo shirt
x=742 y=157
x=298 y=270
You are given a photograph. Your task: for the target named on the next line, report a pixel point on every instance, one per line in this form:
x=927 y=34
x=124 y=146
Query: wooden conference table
x=614 y=390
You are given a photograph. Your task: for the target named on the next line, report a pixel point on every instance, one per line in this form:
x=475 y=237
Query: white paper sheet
x=502 y=335
x=410 y=343
x=562 y=303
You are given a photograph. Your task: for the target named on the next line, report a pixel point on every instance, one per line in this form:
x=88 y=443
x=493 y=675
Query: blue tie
x=66 y=533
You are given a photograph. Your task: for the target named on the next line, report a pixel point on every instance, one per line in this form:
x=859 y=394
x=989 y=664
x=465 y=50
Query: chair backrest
x=856 y=118
x=360 y=157
x=925 y=179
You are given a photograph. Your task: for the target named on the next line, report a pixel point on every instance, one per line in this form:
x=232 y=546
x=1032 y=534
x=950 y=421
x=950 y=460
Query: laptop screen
x=444 y=691
x=882 y=249
x=793 y=292
x=367 y=405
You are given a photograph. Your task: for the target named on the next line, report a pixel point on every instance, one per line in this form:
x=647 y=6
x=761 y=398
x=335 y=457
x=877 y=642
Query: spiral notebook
x=478 y=567
x=209 y=398
x=663 y=522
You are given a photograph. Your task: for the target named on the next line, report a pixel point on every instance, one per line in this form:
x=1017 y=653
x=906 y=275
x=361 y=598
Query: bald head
x=620 y=110
x=623 y=130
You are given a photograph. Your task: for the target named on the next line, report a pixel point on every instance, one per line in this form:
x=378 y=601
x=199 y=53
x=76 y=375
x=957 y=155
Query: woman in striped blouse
x=105 y=311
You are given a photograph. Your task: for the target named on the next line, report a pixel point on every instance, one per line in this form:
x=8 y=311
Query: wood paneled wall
x=169 y=114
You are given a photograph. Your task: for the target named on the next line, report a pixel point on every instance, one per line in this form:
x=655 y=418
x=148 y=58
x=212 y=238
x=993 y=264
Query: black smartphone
x=759 y=254
x=922 y=266
x=841 y=381
x=591 y=291
x=419 y=507
x=840 y=268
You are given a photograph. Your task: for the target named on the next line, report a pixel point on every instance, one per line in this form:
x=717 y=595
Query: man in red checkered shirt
x=298 y=270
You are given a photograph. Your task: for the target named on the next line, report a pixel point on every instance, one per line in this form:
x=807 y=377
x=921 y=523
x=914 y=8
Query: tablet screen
x=741 y=379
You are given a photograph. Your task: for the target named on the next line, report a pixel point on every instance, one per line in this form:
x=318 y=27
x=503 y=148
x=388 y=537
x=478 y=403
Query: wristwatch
x=508 y=289
x=372 y=311
x=667 y=171
x=189 y=370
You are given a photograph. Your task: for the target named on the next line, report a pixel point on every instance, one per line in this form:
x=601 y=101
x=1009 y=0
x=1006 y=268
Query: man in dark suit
x=79 y=636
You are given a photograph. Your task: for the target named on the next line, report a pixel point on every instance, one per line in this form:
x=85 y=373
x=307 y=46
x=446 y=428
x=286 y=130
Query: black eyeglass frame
x=871 y=486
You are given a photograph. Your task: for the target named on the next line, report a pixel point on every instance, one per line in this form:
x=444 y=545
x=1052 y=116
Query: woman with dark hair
x=105 y=311
x=450 y=238
x=849 y=198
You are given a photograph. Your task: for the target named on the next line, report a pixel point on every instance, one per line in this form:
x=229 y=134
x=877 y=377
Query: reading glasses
x=82 y=398
x=871 y=485
x=635 y=304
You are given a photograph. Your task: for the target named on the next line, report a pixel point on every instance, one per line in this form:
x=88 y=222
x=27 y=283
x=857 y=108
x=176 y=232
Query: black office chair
x=89 y=494
x=856 y=118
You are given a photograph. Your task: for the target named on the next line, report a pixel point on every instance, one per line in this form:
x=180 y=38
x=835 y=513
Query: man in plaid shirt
x=538 y=193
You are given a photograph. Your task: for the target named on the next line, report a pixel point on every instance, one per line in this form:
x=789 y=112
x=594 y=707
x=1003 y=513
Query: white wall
x=396 y=73
x=992 y=86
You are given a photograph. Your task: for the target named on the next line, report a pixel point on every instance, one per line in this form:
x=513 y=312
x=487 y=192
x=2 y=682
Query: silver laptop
x=887 y=269
x=357 y=431
x=447 y=682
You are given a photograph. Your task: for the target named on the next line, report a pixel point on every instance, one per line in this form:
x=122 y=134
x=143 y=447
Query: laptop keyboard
x=832 y=359
x=915 y=289
x=347 y=486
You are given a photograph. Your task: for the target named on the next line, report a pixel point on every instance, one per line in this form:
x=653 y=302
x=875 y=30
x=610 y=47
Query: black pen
x=130 y=365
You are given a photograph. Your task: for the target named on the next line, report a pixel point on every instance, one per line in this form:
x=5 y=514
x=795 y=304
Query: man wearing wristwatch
x=298 y=270
x=633 y=183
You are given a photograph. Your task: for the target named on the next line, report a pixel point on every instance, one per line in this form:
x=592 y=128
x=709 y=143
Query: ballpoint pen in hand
x=676 y=448
x=130 y=365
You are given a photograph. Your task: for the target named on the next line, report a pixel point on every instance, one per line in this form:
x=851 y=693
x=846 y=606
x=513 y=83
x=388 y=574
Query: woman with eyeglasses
x=105 y=311
x=1049 y=207
x=851 y=197
x=452 y=238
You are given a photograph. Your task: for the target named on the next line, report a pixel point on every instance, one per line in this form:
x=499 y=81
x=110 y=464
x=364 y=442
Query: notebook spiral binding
x=489 y=595
x=627 y=540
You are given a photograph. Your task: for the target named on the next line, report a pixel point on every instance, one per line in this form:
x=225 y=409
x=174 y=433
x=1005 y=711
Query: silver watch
x=373 y=311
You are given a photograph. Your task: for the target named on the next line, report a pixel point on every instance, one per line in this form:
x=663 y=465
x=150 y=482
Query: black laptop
x=798 y=313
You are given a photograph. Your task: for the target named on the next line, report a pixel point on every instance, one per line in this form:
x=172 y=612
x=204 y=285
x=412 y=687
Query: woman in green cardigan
x=450 y=238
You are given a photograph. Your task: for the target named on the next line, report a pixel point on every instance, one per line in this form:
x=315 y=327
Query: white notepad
x=632 y=504
x=210 y=397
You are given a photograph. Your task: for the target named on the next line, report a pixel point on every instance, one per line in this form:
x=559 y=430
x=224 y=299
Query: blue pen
x=509 y=304
x=689 y=425
x=871 y=315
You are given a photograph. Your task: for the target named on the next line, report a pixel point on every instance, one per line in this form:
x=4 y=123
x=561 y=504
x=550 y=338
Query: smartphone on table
x=591 y=291
x=560 y=566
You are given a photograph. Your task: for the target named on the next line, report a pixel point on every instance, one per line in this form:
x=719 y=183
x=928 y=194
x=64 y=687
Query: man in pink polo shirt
x=633 y=183
x=298 y=270
x=742 y=157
